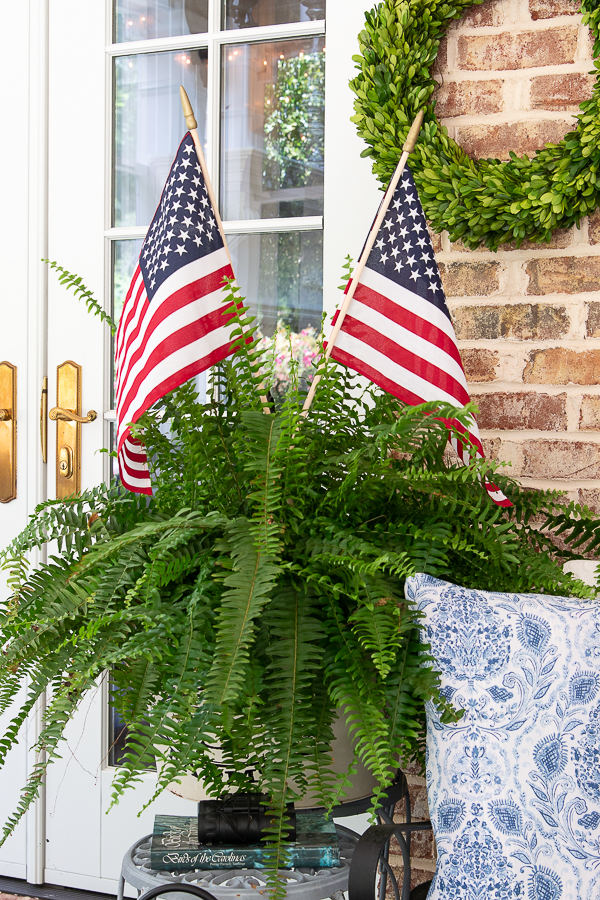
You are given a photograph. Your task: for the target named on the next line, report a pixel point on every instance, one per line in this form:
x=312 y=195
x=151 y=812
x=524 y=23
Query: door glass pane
x=272 y=129
x=118 y=733
x=143 y=20
x=149 y=125
x=250 y=13
x=281 y=275
x=117 y=738
x=125 y=257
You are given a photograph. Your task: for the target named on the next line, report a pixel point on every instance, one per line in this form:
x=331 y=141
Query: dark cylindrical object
x=239 y=819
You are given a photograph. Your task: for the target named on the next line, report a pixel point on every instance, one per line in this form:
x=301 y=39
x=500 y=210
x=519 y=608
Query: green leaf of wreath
x=487 y=201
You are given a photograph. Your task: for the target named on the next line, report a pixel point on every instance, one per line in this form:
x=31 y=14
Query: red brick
x=417 y=876
x=412 y=769
x=519 y=321
x=589 y=414
x=418 y=802
x=561 y=543
x=470 y=279
x=497 y=140
x=561 y=238
x=479 y=364
x=422 y=845
x=594 y=228
x=561 y=91
x=548 y=9
x=563 y=275
x=526 y=411
x=440 y=64
x=492 y=447
x=489 y=13
x=590 y=497
x=593 y=320
x=509 y=51
x=559 y=459
x=468 y=98
x=436 y=240
x=557 y=365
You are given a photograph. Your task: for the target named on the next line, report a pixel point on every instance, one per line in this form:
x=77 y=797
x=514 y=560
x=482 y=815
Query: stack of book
x=175 y=846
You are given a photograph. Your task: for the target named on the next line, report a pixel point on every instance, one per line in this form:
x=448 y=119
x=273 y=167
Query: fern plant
x=260 y=589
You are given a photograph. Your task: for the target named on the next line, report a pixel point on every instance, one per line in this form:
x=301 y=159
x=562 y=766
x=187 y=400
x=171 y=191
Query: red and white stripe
x=161 y=344
x=407 y=346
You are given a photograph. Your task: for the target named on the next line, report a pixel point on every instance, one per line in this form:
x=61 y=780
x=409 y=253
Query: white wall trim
x=83 y=882
x=14 y=870
x=351 y=194
x=241 y=226
x=289 y=30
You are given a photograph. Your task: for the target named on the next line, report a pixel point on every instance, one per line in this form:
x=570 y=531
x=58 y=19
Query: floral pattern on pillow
x=514 y=786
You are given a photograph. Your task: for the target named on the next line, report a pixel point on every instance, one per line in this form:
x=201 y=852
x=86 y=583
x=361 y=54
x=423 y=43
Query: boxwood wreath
x=486 y=201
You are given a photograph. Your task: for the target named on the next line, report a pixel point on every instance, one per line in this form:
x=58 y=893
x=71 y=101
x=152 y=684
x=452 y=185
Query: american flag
x=173 y=325
x=398 y=331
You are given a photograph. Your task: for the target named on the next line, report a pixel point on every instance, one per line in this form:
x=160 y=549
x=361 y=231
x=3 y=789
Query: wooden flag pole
x=409 y=146
x=192 y=125
x=190 y=121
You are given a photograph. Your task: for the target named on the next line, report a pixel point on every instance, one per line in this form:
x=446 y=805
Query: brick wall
x=512 y=74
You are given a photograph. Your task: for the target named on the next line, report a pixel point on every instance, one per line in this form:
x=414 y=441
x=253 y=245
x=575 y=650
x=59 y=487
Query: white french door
x=101 y=126
x=83 y=845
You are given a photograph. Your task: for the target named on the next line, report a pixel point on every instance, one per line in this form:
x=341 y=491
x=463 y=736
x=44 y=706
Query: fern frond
x=75 y=283
x=259 y=593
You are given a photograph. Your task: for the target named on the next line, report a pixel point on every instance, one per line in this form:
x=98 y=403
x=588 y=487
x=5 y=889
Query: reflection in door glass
x=272 y=129
x=149 y=125
x=125 y=256
x=143 y=20
x=250 y=13
x=118 y=733
x=282 y=277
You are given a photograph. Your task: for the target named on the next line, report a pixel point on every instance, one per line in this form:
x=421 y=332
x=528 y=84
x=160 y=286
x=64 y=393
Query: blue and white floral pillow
x=514 y=786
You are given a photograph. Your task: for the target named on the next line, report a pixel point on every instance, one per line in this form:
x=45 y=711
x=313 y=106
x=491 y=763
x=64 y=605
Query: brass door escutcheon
x=8 y=432
x=68 y=418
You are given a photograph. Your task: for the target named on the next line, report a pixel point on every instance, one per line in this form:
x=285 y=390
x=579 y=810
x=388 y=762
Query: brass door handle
x=43 y=419
x=69 y=415
x=8 y=432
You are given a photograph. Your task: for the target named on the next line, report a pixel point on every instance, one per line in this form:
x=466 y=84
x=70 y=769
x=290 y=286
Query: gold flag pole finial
x=413 y=134
x=188 y=112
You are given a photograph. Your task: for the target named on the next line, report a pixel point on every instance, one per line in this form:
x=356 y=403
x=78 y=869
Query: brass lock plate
x=8 y=432
x=65 y=462
x=68 y=434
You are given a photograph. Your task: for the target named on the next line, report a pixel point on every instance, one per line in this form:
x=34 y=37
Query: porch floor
x=18 y=889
